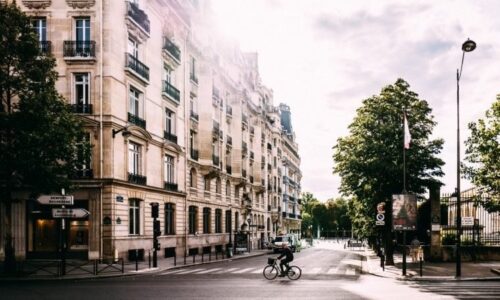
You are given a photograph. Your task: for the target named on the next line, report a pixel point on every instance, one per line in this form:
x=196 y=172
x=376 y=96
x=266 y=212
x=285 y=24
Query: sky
x=324 y=57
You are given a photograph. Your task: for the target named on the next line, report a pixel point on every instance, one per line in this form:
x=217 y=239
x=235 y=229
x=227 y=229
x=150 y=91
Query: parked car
x=291 y=239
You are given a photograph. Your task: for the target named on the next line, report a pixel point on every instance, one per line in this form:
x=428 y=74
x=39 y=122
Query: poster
x=241 y=242
x=404 y=212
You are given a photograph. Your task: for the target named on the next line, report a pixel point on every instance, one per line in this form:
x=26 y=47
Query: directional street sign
x=55 y=199
x=74 y=213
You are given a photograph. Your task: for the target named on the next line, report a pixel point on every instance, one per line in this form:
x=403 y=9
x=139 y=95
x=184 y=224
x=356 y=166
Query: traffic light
x=156 y=228
x=155 y=210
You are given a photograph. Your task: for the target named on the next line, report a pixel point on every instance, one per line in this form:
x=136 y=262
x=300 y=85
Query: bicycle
x=272 y=270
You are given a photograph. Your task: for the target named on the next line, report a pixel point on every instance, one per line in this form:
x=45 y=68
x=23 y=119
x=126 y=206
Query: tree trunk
x=10 y=259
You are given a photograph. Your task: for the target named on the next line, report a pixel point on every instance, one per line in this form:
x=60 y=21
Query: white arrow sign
x=70 y=213
x=55 y=199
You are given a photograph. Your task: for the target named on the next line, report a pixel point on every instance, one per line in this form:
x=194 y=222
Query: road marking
x=191 y=271
x=242 y=271
x=259 y=270
x=332 y=271
x=208 y=271
x=350 y=272
x=226 y=270
x=173 y=271
x=313 y=270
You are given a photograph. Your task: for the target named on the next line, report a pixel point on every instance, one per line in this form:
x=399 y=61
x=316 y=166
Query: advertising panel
x=404 y=212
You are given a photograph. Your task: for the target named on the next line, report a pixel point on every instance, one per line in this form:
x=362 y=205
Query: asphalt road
x=328 y=273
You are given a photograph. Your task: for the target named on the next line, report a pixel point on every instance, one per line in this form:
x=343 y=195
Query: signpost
x=55 y=199
x=74 y=213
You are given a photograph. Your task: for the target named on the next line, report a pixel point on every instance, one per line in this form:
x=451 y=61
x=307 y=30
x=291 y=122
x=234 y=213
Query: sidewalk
x=73 y=271
x=432 y=271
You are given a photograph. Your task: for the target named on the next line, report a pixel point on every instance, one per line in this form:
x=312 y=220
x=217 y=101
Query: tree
x=370 y=159
x=308 y=202
x=483 y=155
x=38 y=133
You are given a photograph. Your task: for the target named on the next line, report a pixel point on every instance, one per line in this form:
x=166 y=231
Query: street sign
x=74 y=213
x=380 y=219
x=379 y=223
x=467 y=221
x=55 y=199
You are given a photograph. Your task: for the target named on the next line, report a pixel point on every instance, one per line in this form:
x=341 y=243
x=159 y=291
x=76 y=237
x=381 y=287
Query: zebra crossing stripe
x=208 y=271
x=350 y=272
x=226 y=270
x=242 y=271
x=191 y=271
x=259 y=270
x=332 y=271
x=313 y=270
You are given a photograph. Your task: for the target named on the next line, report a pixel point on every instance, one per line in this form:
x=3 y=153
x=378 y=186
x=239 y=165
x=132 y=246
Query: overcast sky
x=324 y=57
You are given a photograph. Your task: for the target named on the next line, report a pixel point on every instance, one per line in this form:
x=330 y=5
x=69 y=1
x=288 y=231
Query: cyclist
x=287 y=253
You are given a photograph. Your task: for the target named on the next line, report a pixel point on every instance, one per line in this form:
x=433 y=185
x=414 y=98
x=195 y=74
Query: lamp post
x=467 y=46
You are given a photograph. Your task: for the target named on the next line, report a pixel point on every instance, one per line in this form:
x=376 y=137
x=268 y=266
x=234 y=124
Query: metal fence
x=479 y=227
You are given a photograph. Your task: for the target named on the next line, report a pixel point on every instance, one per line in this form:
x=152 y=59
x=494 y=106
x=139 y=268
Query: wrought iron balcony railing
x=83 y=49
x=172 y=49
x=169 y=136
x=194 y=116
x=45 y=47
x=137 y=66
x=170 y=186
x=136 y=178
x=138 y=15
x=136 y=120
x=82 y=108
x=171 y=91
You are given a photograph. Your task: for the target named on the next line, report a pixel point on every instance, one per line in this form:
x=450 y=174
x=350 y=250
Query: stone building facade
x=176 y=116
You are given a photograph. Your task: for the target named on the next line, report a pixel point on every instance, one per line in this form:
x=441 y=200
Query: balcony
x=229 y=140
x=171 y=91
x=136 y=120
x=229 y=111
x=229 y=170
x=75 y=50
x=83 y=174
x=194 y=116
x=137 y=179
x=45 y=47
x=252 y=156
x=137 y=66
x=81 y=108
x=244 y=173
x=215 y=160
x=251 y=179
x=170 y=136
x=172 y=49
x=170 y=186
x=194 y=154
x=138 y=16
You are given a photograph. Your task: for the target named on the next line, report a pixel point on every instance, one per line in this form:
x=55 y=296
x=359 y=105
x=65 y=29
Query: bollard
x=123 y=266
x=421 y=263
x=149 y=258
x=137 y=259
x=175 y=260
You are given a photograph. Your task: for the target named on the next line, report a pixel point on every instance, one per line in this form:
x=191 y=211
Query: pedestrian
x=415 y=245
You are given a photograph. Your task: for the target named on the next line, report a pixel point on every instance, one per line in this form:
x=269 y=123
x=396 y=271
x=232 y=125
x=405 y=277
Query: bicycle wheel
x=294 y=273
x=270 y=272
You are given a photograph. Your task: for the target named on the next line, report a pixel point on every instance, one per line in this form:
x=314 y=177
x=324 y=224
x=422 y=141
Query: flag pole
x=404 y=151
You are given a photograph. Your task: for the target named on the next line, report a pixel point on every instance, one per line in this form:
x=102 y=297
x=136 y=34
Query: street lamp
x=467 y=46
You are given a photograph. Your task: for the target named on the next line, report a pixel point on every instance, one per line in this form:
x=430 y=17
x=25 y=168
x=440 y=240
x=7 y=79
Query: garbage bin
x=229 y=252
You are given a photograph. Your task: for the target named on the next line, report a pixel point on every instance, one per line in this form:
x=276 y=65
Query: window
x=207 y=184
x=206 y=220
x=236 y=192
x=134 y=158
x=193 y=105
x=228 y=221
x=40 y=27
x=192 y=69
x=169 y=75
x=236 y=220
x=134 y=216
x=82 y=88
x=192 y=179
x=218 y=221
x=169 y=121
x=82 y=29
x=83 y=155
x=169 y=219
x=169 y=169
x=133 y=48
x=228 y=188
x=193 y=217
x=135 y=98
x=218 y=185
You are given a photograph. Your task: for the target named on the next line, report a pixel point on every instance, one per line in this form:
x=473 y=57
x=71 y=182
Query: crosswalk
x=461 y=289
x=328 y=271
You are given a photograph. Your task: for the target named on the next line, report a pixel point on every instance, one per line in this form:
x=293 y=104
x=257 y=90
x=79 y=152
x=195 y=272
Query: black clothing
x=289 y=257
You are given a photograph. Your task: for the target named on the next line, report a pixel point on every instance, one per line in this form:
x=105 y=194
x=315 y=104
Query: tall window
x=206 y=220
x=82 y=88
x=134 y=216
x=133 y=48
x=40 y=27
x=135 y=98
x=82 y=36
x=169 y=75
x=218 y=221
x=192 y=68
x=192 y=179
x=169 y=169
x=84 y=163
x=169 y=121
x=236 y=221
x=134 y=158
x=193 y=217
x=193 y=105
x=228 y=188
x=207 y=183
x=169 y=219
x=228 y=221
x=218 y=185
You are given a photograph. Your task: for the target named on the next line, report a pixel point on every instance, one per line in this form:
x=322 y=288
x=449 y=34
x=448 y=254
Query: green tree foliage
x=483 y=156
x=332 y=215
x=370 y=159
x=308 y=202
x=38 y=132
